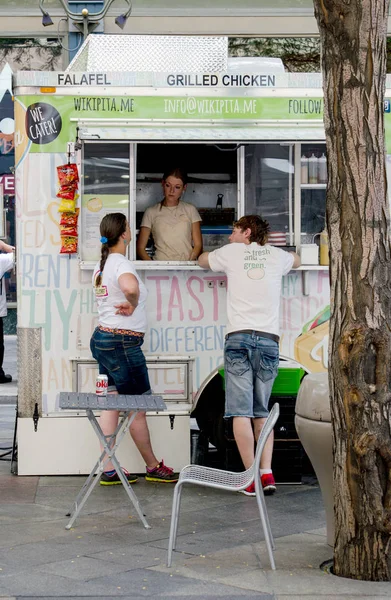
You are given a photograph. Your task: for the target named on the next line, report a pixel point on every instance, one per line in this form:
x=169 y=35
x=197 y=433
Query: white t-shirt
x=6 y=263
x=254 y=284
x=109 y=293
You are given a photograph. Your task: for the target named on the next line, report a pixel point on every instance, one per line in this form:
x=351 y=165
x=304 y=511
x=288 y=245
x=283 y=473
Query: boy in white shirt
x=251 y=352
x=7 y=262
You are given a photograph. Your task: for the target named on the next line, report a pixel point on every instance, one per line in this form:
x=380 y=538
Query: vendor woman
x=175 y=225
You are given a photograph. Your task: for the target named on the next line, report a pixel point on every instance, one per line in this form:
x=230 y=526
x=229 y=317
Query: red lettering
x=175 y=291
x=192 y=294
x=158 y=279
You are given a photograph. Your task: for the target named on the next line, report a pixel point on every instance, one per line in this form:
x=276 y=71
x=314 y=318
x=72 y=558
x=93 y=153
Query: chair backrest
x=266 y=430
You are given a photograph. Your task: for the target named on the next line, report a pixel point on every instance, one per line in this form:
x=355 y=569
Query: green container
x=221 y=373
x=286 y=383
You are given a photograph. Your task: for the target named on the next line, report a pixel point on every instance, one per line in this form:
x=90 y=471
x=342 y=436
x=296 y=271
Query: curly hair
x=259 y=228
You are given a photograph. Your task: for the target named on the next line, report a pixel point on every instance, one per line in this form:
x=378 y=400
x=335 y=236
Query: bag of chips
x=70 y=219
x=68 y=231
x=67 y=174
x=68 y=245
x=68 y=206
x=67 y=193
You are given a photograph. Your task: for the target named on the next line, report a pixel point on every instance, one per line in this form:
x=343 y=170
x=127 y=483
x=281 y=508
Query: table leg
x=128 y=489
x=107 y=454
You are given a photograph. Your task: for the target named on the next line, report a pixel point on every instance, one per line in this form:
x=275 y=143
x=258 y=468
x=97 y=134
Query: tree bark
x=353 y=42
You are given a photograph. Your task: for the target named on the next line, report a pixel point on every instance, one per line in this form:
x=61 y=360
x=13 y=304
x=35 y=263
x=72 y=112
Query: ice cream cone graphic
x=22 y=142
x=311 y=347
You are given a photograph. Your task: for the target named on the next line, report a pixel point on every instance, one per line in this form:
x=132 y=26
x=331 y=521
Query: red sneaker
x=268 y=484
x=249 y=490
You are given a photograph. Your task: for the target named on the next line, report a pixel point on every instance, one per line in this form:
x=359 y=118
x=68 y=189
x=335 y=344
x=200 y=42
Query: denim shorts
x=120 y=358
x=251 y=366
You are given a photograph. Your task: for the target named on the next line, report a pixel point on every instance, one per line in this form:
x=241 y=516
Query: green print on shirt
x=254 y=261
x=254 y=265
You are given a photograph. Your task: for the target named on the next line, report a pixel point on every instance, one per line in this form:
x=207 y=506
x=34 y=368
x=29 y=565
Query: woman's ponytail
x=112 y=226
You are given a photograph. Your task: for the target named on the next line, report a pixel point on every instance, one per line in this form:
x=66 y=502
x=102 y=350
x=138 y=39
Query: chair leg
x=266 y=530
x=178 y=508
x=262 y=498
x=174 y=521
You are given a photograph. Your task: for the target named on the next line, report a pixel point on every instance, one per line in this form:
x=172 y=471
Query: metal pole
x=85 y=27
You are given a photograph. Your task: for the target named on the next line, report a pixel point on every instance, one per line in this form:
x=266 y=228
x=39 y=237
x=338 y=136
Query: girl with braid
x=116 y=342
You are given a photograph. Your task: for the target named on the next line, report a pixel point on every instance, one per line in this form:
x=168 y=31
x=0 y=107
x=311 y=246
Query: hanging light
x=86 y=21
x=121 y=20
x=46 y=20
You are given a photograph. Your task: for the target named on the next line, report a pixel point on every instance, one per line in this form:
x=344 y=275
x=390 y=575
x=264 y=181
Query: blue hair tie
x=103 y=240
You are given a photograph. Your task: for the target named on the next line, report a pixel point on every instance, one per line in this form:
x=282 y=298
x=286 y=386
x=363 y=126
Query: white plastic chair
x=230 y=481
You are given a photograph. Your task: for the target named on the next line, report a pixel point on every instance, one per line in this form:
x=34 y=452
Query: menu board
x=93 y=208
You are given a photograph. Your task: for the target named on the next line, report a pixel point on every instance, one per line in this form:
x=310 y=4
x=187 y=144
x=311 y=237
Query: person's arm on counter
x=203 y=260
x=142 y=242
x=197 y=240
x=6 y=247
x=296 y=260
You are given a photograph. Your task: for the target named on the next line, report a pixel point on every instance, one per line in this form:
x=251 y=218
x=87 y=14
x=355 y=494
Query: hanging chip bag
x=67 y=174
x=68 y=231
x=68 y=245
x=68 y=193
x=70 y=219
x=67 y=206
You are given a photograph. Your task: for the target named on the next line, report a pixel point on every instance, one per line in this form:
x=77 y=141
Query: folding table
x=128 y=406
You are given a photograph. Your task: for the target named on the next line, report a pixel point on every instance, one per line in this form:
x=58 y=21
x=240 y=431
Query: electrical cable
x=9 y=451
x=59 y=38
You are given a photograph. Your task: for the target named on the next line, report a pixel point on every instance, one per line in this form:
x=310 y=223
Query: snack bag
x=68 y=231
x=68 y=193
x=67 y=174
x=70 y=219
x=68 y=245
x=67 y=206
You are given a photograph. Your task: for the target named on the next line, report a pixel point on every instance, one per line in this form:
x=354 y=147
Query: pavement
x=9 y=391
x=108 y=554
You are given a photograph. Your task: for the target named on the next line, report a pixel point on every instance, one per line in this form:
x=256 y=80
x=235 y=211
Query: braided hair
x=259 y=228
x=112 y=226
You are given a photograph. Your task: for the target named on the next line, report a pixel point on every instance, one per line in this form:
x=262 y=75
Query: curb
x=11 y=399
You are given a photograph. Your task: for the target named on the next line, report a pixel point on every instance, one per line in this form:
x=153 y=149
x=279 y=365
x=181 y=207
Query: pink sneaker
x=249 y=490
x=268 y=484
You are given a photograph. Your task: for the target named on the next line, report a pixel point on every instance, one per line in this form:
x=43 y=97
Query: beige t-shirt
x=171 y=229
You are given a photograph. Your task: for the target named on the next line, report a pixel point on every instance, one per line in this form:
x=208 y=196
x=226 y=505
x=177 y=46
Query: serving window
x=127 y=177
x=225 y=181
x=212 y=186
x=105 y=189
x=268 y=188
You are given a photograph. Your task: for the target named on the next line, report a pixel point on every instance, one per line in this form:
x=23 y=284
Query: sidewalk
x=8 y=391
x=108 y=554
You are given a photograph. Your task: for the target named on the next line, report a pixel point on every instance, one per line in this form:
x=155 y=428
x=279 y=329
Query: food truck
x=251 y=139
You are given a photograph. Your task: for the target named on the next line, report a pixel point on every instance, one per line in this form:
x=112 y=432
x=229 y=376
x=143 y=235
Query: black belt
x=263 y=334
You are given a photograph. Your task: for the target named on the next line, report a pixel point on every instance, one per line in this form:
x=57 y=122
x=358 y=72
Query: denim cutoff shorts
x=251 y=366
x=120 y=358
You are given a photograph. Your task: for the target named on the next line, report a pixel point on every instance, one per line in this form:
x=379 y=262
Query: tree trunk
x=353 y=42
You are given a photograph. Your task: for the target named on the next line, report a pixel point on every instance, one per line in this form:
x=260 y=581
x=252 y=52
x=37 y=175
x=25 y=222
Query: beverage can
x=101 y=385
